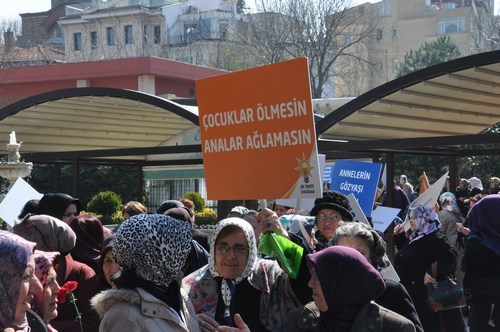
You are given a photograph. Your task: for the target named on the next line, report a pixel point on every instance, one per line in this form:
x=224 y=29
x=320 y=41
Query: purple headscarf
x=14 y=254
x=484 y=222
x=426 y=221
x=348 y=282
x=89 y=237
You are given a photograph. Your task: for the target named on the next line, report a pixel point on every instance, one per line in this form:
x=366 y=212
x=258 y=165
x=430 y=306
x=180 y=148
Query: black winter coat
x=412 y=262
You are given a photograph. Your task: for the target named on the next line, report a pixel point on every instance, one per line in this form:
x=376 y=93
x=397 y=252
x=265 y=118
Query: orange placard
x=257 y=133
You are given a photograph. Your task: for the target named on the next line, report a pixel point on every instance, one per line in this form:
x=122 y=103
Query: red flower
x=66 y=291
x=68 y=287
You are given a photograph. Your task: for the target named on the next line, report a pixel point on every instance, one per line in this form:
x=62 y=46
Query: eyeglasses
x=237 y=249
x=332 y=217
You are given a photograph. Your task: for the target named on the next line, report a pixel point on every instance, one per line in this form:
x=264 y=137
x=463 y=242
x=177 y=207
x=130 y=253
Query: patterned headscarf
x=348 y=281
x=251 y=261
x=426 y=221
x=451 y=203
x=49 y=233
x=485 y=222
x=14 y=254
x=155 y=246
x=44 y=260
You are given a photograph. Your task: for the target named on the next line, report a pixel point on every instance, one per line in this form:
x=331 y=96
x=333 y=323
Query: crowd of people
x=63 y=271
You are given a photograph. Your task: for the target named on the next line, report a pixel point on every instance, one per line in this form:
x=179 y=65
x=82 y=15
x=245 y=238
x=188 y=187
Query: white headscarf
x=475 y=183
x=251 y=261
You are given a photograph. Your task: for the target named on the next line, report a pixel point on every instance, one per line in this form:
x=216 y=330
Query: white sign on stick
x=20 y=193
x=356 y=211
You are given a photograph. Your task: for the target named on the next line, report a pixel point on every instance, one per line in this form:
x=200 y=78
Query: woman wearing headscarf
x=89 y=237
x=344 y=285
x=108 y=266
x=51 y=234
x=450 y=218
x=151 y=249
x=482 y=265
x=60 y=205
x=237 y=281
x=462 y=194
x=17 y=281
x=371 y=245
x=45 y=302
x=425 y=246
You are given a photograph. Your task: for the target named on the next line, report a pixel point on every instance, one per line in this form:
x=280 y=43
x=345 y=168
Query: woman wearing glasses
x=330 y=211
x=235 y=281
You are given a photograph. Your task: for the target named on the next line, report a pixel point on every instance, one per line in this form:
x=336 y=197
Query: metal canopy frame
x=435 y=110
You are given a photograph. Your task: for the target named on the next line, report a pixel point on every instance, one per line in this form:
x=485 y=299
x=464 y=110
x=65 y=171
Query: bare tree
x=9 y=24
x=325 y=31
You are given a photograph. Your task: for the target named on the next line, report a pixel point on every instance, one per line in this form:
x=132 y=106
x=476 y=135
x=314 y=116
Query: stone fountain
x=14 y=168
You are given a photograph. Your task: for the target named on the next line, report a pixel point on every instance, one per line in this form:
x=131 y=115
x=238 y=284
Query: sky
x=11 y=9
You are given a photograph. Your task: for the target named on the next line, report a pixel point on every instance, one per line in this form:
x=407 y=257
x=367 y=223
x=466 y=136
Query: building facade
x=406 y=26
x=178 y=30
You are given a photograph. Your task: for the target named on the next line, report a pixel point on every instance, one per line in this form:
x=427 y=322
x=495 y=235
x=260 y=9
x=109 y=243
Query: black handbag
x=445 y=294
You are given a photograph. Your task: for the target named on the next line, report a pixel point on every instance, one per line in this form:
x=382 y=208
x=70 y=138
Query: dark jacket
x=370 y=318
x=201 y=238
x=482 y=281
x=396 y=298
x=412 y=262
x=88 y=286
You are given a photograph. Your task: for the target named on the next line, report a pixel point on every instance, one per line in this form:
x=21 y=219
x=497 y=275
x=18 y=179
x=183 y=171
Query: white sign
x=356 y=211
x=382 y=217
x=20 y=193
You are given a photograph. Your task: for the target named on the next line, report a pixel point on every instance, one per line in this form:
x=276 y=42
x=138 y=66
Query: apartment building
x=406 y=25
x=173 y=29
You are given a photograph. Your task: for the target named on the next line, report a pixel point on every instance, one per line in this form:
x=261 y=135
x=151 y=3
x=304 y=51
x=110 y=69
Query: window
x=380 y=66
x=348 y=39
x=77 y=41
x=111 y=36
x=380 y=34
x=395 y=65
x=451 y=25
x=384 y=9
x=129 y=34
x=157 y=34
x=395 y=32
x=93 y=40
x=223 y=27
x=361 y=10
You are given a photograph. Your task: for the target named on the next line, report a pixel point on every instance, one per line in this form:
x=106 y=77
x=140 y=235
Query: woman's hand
x=269 y=222
x=462 y=229
x=428 y=279
x=207 y=323
x=241 y=326
x=398 y=228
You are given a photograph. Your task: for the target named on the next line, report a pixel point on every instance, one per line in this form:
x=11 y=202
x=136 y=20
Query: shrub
x=206 y=217
x=106 y=204
x=199 y=202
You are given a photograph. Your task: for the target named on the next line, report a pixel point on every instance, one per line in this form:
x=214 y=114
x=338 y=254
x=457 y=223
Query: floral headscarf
x=451 y=203
x=44 y=260
x=49 y=233
x=426 y=221
x=251 y=261
x=155 y=246
x=14 y=254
